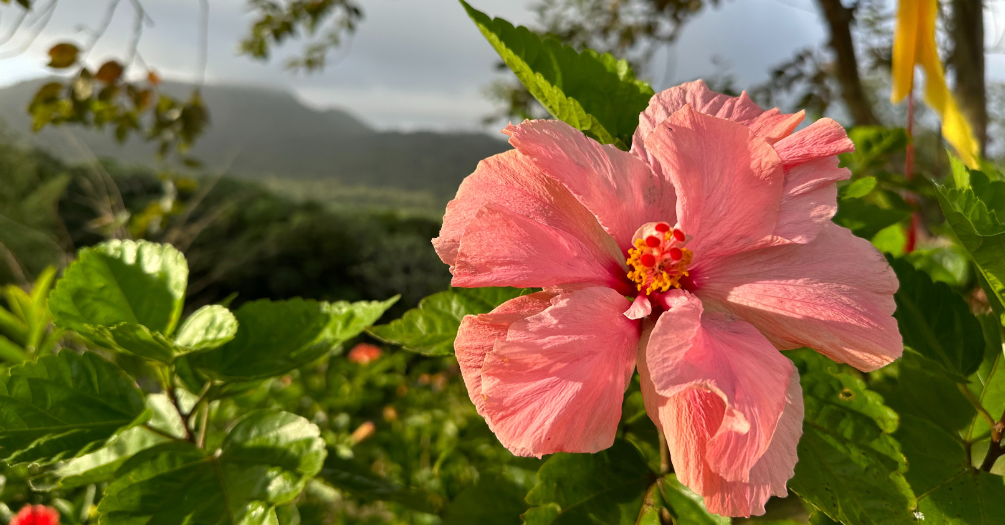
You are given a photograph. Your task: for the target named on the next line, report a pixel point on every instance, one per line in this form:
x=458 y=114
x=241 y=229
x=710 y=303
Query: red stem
x=912 y=232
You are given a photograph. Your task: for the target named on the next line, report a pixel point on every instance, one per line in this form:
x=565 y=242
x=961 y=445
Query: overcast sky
x=413 y=64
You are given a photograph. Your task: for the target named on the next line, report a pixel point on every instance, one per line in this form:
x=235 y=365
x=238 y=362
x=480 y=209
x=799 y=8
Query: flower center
x=659 y=259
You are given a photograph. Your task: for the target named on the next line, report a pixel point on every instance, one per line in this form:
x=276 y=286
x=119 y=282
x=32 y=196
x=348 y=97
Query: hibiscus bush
x=672 y=307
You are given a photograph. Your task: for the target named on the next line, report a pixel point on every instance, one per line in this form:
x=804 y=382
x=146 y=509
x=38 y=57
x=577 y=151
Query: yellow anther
x=664 y=272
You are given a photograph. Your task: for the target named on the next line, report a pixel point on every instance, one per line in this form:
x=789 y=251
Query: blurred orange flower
x=364 y=353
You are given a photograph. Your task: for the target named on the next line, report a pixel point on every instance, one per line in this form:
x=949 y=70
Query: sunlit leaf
x=208 y=327
x=592 y=92
x=274 y=337
x=430 y=328
x=116 y=282
x=64 y=406
x=974 y=207
x=265 y=460
x=850 y=467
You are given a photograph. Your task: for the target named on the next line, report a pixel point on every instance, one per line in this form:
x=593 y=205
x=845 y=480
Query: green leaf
x=64 y=406
x=594 y=93
x=873 y=147
x=496 y=499
x=936 y=322
x=265 y=461
x=865 y=219
x=430 y=328
x=346 y=475
x=100 y=466
x=850 y=467
x=606 y=488
x=117 y=282
x=136 y=339
x=988 y=382
x=276 y=337
x=858 y=188
x=209 y=327
x=950 y=490
x=974 y=209
x=683 y=505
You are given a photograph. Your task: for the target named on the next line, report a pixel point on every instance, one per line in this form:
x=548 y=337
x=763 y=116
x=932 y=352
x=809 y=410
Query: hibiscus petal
x=771 y=125
x=620 y=190
x=689 y=349
x=689 y=420
x=728 y=180
x=823 y=138
x=503 y=248
x=555 y=384
x=512 y=181
x=478 y=334
x=809 y=199
x=834 y=294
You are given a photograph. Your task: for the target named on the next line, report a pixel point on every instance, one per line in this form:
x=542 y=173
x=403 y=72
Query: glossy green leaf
x=208 y=327
x=430 y=328
x=265 y=460
x=275 y=337
x=936 y=322
x=606 y=488
x=64 y=406
x=592 y=92
x=850 y=467
x=346 y=475
x=117 y=282
x=496 y=499
x=974 y=207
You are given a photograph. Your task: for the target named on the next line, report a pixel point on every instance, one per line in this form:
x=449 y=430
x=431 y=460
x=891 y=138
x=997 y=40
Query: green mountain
x=266 y=133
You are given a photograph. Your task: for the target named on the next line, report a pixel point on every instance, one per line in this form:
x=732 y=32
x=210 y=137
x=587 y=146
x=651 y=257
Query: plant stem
x=665 y=466
x=995 y=449
x=203 y=425
x=184 y=417
x=977 y=405
x=160 y=432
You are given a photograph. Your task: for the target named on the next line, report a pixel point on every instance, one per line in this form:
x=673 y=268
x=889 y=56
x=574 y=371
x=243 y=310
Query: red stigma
x=679 y=235
x=662 y=227
x=676 y=254
x=648 y=260
x=652 y=241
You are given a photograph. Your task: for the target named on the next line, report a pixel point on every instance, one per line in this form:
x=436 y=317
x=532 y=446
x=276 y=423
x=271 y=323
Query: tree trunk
x=967 y=60
x=839 y=20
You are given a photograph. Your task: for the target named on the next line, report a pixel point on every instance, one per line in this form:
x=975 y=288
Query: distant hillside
x=260 y=132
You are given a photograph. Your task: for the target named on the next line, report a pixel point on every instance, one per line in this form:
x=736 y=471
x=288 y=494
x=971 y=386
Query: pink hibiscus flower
x=717 y=224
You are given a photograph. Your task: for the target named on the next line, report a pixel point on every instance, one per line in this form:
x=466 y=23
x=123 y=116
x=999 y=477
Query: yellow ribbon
x=914 y=44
